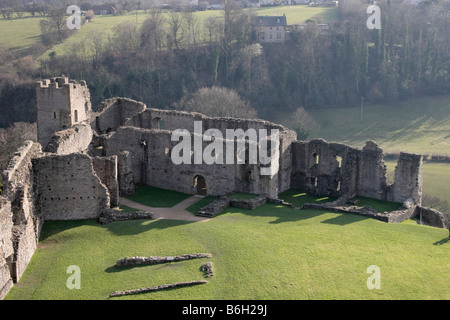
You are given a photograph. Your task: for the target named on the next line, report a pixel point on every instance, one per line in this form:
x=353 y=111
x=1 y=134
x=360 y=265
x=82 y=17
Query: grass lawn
x=243 y=195
x=200 y=204
x=298 y=198
x=156 y=197
x=272 y=252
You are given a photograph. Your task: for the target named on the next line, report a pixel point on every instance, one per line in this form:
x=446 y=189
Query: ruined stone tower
x=60 y=105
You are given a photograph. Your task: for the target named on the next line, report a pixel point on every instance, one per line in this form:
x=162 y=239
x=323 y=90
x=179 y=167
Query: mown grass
x=157 y=197
x=200 y=204
x=271 y=252
x=298 y=198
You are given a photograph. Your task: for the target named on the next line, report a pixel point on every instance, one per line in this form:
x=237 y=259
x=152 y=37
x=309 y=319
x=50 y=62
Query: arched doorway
x=200 y=185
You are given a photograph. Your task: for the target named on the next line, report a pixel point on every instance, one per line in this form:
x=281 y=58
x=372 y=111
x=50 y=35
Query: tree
x=175 y=23
x=301 y=122
x=217 y=102
x=54 y=27
x=126 y=39
x=153 y=31
x=89 y=14
x=190 y=26
x=7 y=13
x=214 y=29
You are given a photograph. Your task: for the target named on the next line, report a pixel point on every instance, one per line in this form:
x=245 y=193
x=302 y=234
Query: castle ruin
x=84 y=161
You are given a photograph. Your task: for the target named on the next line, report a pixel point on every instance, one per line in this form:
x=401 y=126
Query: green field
x=105 y=24
x=20 y=34
x=419 y=126
x=271 y=252
x=156 y=197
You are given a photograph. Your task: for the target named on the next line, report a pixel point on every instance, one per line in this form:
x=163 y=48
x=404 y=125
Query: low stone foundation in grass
x=111 y=215
x=224 y=202
x=135 y=261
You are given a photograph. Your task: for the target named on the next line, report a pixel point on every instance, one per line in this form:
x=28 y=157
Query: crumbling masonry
x=84 y=161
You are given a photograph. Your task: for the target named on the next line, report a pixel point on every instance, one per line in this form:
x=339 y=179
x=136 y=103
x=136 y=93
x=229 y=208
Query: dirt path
x=177 y=212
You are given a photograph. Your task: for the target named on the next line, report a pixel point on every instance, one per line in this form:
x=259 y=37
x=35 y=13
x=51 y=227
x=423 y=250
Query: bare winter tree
x=153 y=31
x=218 y=102
x=54 y=27
x=175 y=23
x=301 y=122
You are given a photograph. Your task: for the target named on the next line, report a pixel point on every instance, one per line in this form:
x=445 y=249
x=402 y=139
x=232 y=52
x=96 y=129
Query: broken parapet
x=157 y=288
x=134 y=261
x=111 y=215
x=114 y=112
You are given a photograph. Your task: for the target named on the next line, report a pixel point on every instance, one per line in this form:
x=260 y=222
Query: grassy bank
x=419 y=126
x=271 y=252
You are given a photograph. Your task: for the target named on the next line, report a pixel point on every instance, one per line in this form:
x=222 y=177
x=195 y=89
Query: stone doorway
x=200 y=185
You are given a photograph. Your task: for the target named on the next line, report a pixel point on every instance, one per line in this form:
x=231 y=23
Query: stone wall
x=67 y=187
x=431 y=217
x=323 y=168
x=172 y=120
x=106 y=170
x=125 y=174
x=149 y=152
x=372 y=181
x=75 y=139
x=20 y=224
x=334 y=169
x=6 y=247
x=113 y=113
x=408 y=179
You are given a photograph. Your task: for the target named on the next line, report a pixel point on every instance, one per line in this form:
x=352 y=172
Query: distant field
x=20 y=34
x=105 y=24
x=418 y=126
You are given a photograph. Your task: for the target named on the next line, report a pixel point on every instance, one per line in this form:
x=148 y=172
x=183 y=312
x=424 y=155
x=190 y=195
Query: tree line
x=171 y=56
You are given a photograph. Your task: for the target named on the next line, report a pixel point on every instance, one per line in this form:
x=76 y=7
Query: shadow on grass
x=284 y=214
x=118 y=228
x=345 y=218
x=154 y=291
x=157 y=197
x=51 y=228
x=441 y=242
x=133 y=227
